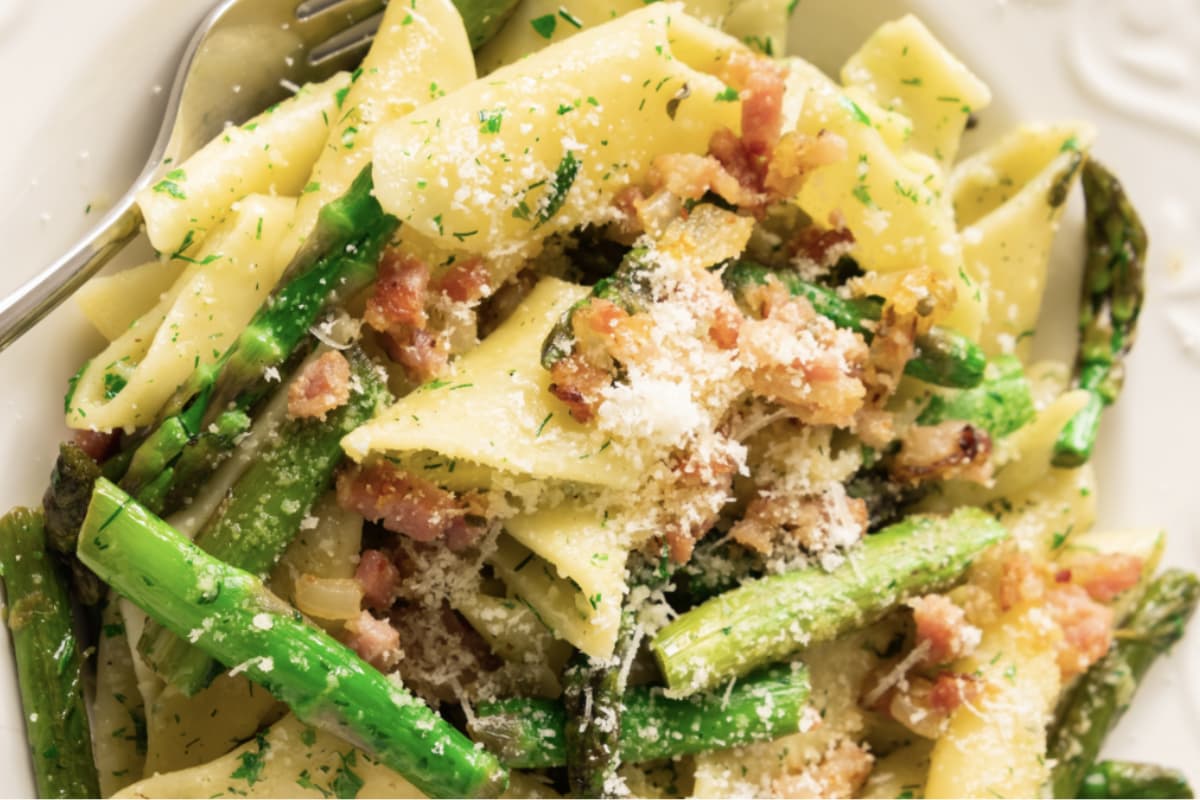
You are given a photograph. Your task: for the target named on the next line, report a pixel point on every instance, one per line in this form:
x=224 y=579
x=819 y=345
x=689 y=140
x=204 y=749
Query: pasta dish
x=622 y=408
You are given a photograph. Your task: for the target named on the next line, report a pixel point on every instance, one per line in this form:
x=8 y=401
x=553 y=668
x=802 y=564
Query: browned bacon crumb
x=951 y=449
x=423 y=355
x=578 y=384
x=399 y=295
x=374 y=640
x=1086 y=627
x=924 y=705
x=821 y=246
x=802 y=360
x=378 y=576
x=322 y=385
x=943 y=625
x=701 y=486
x=406 y=504
x=1103 y=575
x=465 y=281
x=97 y=444
x=813 y=520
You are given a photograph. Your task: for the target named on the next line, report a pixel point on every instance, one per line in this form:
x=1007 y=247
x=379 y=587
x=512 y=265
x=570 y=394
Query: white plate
x=82 y=90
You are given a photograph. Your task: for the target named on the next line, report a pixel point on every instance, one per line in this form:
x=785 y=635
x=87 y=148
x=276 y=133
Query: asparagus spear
x=264 y=512
x=230 y=615
x=530 y=733
x=339 y=261
x=1113 y=290
x=1127 y=779
x=943 y=357
x=1000 y=405
x=1104 y=692
x=64 y=504
x=49 y=662
x=770 y=619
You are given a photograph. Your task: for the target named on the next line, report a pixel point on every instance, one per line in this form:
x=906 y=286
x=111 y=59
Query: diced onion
x=328 y=598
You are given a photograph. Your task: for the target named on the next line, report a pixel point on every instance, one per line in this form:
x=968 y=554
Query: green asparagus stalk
x=770 y=619
x=49 y=661
x=530 y=733
x=265 y=510
x=1113 y=290
x=1115 y=779
x=1000 y=405
x=943 y=357
x=230 y=615
x=1105 y=691
x=64 y=506
x=593 y=693
x=338 y=262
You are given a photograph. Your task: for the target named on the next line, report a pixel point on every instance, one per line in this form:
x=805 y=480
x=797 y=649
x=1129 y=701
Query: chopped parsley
x=544 y=25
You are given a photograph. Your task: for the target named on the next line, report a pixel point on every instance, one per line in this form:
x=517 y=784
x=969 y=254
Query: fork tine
x=308 y=9
x=347 y=46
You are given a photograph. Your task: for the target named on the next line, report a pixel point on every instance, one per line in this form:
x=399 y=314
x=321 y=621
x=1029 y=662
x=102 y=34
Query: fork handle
x=40 y=295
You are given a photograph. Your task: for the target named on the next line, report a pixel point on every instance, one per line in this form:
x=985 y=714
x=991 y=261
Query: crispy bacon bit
x=814 y=521
x=97 y=444
x=1086 y=626
x=760 y=82
x=322 y=386
x=378 y=577
x=423 y=355
x=406 y=504
x=726 y=325
x=944 y=626
x=801 y=360
x=951 y=449
x=578 y=384
x=702 y=485
x=605 y=331
x=1020 y=581
x=464 y=282
x=796 y=156
x=924 y=706
x=375 y=641
x=1104 y=576
x=841 y=773
x=400 y=290
x=820 y=245
x=689 y=176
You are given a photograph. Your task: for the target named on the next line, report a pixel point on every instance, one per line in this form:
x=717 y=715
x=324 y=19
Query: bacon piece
x=1104 y=575
x=950 y=690
x=1020 y=581
x=97 y=444
x=702 y=485
x=726 y=325
x=815 y=521
x=406 y=504
x=423 y=355
x=375 y=641
x=944 y=626
x=689 y=176
x=464 y=282
x=400 y=292
x=1086 y=626
x=821 y=246
x=322 y=385
x=951 y=449
x=924 y=706
x=802 y=360
x=378 y=577
x=578 y=384
x=796 y=156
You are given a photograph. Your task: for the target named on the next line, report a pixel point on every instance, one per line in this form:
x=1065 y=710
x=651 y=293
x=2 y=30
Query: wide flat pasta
x=271 y=154
x=513 y=423
x=603 y=106
x=419 y=53
x=126 y=384
x=114 y=302
x=1008 y=201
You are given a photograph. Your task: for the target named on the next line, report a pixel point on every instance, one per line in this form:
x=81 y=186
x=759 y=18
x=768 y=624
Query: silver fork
x=262 y=47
